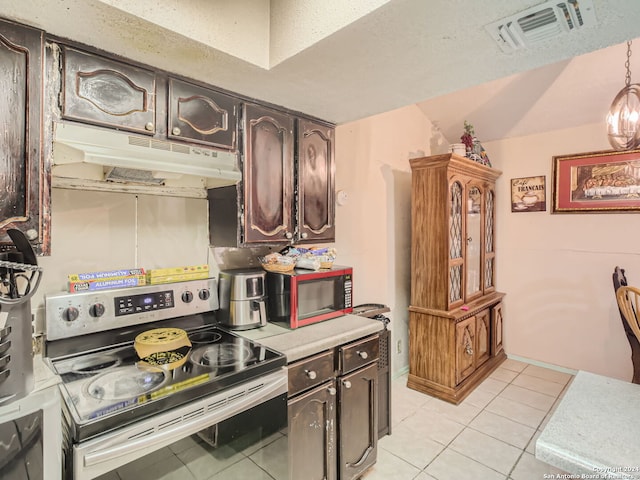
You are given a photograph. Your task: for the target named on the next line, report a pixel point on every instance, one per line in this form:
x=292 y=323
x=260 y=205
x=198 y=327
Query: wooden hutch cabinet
x=455 y=315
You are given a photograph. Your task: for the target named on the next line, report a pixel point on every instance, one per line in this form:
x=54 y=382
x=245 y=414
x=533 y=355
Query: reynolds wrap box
x=133 y=281
x=107 y=275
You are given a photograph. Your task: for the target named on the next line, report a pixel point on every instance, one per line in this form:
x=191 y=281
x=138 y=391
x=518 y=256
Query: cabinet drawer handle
x=331 y=390
x=347 y=384
x=363 y=355
x=176 y=131
x=311 y=374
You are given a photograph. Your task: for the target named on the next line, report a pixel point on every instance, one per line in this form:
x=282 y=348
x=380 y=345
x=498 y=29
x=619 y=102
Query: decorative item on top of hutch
x=455 y=315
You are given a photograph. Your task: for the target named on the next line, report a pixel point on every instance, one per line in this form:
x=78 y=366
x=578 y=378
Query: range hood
x=132 y=162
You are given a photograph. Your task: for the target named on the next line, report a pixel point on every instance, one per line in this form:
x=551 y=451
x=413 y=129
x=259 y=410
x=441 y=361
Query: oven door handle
x=111 y=453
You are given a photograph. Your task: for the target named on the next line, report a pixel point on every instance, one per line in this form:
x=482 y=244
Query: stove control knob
x=204 y=294
x=187 y=296
x=70 y=314
x=96 y=310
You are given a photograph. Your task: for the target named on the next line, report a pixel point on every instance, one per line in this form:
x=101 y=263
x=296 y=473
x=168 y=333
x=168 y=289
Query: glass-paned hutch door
x=455 y=243
x=473 y=240
x=489 y=249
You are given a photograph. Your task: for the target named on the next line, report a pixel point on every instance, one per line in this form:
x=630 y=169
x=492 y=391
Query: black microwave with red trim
x=303 y=297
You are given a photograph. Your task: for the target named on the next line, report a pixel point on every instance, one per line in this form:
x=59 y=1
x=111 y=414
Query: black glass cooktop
x=112 y=387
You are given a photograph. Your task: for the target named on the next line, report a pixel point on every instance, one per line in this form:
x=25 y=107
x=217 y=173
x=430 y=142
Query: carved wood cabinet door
x=465 y=344
x=483 y=336
x=496 y=321
x=24 y=202
x=358 y=420
x=268 y=176
x=312 y=434
x=198 y=114
x=108 y=93
x=316 y=190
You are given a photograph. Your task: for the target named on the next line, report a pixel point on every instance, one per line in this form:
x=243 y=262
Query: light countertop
x=595 y=431
x=311 y=339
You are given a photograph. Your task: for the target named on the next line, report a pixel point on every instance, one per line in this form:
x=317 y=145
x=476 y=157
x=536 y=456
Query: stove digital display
x=143 y=303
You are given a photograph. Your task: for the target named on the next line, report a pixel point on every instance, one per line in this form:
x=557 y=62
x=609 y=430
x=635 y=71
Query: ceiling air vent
x=542 y=22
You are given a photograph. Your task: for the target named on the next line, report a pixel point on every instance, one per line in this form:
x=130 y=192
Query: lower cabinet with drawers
x=333 y=412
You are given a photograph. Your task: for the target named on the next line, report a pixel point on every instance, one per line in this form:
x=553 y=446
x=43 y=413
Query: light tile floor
x=490 y=435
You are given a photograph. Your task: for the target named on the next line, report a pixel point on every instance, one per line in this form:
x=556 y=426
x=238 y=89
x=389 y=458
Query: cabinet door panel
x=202 y=115
x=496 y=320
x=465 y=335
x=315 y=182
x=23 y=174
x=483 y=336
x=456 y=235
x=489 y=242
x=312 y=421
x=268 y=176
x=473 y=242
x=358 y=397
x=105 y=92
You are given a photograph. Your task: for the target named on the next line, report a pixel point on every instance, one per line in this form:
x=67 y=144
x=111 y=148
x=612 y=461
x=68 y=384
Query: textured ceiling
x=393 y=53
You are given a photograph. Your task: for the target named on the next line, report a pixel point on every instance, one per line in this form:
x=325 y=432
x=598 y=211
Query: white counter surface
x=311 y=339
x=595 y=431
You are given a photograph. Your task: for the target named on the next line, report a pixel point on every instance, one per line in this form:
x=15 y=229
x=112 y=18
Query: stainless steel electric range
x=119 y=407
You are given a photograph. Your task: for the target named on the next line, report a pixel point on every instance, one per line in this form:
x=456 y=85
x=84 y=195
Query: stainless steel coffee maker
x=243 y=298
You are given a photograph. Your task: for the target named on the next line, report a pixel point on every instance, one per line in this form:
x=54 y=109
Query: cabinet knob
x=289 y=235
x=31 y=234
x=304 y=235
x=331 y=390
x=363 y=355
x=468 y=350
x=311 y=374
x=149 y=126
x=347 y=384
x=176 y=131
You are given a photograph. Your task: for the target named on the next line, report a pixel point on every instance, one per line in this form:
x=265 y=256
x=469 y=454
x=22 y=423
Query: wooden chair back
x=629 y=301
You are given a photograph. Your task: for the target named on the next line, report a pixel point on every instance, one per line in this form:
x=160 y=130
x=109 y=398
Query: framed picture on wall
x=607 y=181
x=529 y=194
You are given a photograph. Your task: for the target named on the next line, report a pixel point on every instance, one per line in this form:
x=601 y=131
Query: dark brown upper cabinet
x=108 y=93
x=316 y=190
x=202 y=115
x=287 y=190
x=24 y=175
x=268 y=176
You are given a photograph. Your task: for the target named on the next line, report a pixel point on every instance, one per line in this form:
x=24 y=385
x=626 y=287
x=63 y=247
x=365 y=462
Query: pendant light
x=623 y=120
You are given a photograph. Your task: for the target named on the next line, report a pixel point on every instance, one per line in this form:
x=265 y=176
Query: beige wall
x=556 y=269
x=373 y=230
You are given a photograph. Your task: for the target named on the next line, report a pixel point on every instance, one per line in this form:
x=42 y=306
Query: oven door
x=237 y=433
x=30 y=437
